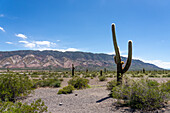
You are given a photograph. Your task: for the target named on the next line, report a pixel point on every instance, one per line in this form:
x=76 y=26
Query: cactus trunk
x=72 y=69
x=120 y=69
x=101 y=72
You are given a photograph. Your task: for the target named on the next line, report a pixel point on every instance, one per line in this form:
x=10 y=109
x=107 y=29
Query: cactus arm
x=129 y=59
x=117 y=58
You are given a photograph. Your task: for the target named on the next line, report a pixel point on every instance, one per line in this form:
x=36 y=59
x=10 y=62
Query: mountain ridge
x=49 y=59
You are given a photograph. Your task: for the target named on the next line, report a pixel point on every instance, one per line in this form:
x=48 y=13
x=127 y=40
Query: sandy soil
x=91 y=100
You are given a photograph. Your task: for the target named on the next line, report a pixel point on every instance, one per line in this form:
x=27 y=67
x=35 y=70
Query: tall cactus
x=120 y=69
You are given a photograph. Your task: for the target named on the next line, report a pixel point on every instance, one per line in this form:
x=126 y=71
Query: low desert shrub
x=44 y=77
x=111 y=84
x=87 y=75
x=49 y=82
x=55 y=83
x=165 y=87
x=94 y=75
x=154 y=76
x=168 y=75
x=102 y=78
x=110 y=76
x=141 y=94
x=79 y=83
x=36 y=107
x=34 y=76
x=66 y=90
x=65 y=76
x=13 y=86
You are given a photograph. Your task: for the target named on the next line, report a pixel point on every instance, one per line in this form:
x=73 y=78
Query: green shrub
x=61 y=79
x=34 y=76
x=111 y=84
x=65 y=76
x=79 y=83
x=141 y=94
x=13 y=86
x=94 y=75
x=165 y=87
x=56 y=83
x=102 y=78
x=36 y=107
x=154 y=76
x=49 y=82
x=87 y=75
x=111 y=76
x=35 y=73
x=44 y=77
x=168 y=75
x=66 y=90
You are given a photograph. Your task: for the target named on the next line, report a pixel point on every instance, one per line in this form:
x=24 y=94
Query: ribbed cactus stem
x=129 y=59
x=120 y=69
x=117 y=58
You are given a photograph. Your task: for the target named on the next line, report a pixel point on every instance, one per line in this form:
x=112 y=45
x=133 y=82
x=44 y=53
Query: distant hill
x=29 y=59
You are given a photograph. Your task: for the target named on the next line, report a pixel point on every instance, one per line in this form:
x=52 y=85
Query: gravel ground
x=87 y=100
x=91 y=100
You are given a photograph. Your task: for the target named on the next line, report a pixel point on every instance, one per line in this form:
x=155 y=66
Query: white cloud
x=68 y=49
x=21 y=36
x=159 y=63
x=43 y=43
x=26 y=42
x=39 y=45
x=9 y=42
x=1 y=15
x=58 y=40
x=121 y=52
x=30 y=45
x=62 y=50
x=2 y=29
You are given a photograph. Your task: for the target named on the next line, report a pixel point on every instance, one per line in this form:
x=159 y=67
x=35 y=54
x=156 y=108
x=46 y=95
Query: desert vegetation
x=141 y=90
x=137 y=88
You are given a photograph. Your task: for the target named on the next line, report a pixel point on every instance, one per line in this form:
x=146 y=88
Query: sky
x=85 y=25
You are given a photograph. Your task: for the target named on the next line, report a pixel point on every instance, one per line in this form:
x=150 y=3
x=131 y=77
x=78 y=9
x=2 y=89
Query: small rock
x=163 y=109
x=123 y=110
x=60 y=104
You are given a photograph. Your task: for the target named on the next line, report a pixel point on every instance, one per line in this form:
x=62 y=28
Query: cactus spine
x=120 y=69
x=72 y=70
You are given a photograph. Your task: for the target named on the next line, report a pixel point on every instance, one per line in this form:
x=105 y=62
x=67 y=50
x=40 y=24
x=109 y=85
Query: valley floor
x=91 y=100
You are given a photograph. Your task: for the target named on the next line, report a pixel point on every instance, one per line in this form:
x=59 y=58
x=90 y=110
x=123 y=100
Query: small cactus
x=120 y=69
x=72 y=70
x=101 y=72
x=7 y=69
x=143 y=70
x=105 y=70
x=87 y=70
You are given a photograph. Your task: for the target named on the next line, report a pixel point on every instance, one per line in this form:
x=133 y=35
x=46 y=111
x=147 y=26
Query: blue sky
x=85 y=25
